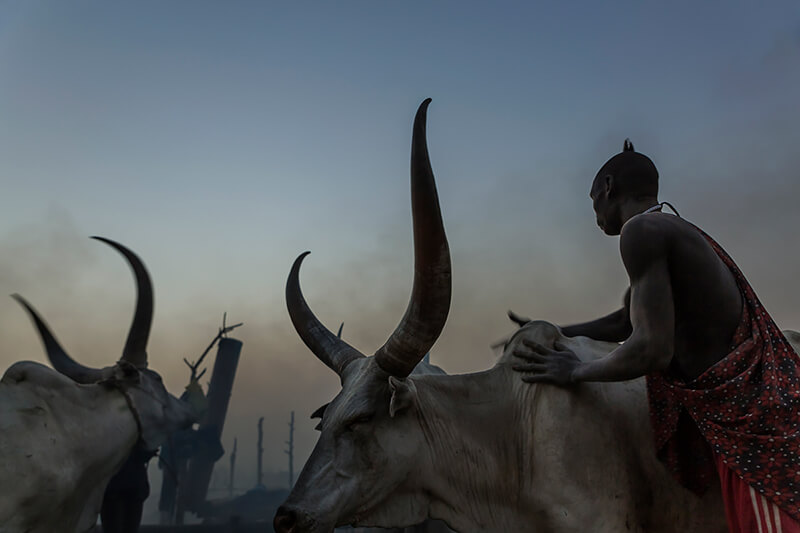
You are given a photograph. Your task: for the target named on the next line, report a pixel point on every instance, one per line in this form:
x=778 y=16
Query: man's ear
x=609 y=183
x=404 y=394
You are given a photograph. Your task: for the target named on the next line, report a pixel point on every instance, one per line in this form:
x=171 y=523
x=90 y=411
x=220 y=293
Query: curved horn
x=58 y=357
x=135 y=351
x=429 y=305
x=332 y=351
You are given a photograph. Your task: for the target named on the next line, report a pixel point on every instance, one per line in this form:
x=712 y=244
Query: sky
x=221 y=140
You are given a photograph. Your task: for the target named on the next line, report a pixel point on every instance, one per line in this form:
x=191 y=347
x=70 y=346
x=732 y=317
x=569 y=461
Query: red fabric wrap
x=746 y=407
x=749 y=512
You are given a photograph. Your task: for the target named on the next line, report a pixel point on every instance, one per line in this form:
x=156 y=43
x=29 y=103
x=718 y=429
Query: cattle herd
x=402 y=442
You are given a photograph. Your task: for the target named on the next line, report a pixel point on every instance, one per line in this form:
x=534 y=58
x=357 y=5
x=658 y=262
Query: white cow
x=484 y=452
x=64 y=435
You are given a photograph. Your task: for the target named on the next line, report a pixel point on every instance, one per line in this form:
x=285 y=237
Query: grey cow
x=64 y=434
x=483 y=451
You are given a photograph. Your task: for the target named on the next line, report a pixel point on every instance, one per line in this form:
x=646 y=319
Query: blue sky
x=220 y=140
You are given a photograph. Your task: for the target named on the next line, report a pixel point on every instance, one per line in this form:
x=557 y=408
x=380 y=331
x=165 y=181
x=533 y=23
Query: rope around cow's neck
x=132 y=407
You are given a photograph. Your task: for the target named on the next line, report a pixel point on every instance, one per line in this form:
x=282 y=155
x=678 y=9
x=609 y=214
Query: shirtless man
x=713 y=357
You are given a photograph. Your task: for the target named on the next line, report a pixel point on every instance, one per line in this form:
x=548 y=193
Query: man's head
x=627 y=177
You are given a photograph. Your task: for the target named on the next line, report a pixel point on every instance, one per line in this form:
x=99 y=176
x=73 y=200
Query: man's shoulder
x=657 y=235
x=650 y=237
x=646 y=232
x=656 y=227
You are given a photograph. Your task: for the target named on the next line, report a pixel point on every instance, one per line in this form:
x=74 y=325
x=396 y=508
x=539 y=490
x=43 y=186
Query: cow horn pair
x=135 y=351
x=429 y=304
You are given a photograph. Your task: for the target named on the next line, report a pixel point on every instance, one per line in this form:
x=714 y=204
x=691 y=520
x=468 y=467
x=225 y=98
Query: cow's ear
x=403 y=395
x=123 y=373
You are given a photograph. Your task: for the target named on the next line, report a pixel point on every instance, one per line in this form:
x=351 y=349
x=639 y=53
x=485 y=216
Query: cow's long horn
x=330 y=349
x=135 y=351
x=58 y=357
x=429 y=305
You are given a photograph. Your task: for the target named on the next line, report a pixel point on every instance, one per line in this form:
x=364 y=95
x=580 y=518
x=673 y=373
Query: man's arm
x=650 y=346
x=614 y=327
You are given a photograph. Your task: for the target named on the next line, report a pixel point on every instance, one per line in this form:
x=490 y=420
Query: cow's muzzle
x=285 y=520
x=289 y=520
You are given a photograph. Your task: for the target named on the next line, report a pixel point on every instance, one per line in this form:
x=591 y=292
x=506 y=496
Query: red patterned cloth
x=746 y=408
x=747 y=511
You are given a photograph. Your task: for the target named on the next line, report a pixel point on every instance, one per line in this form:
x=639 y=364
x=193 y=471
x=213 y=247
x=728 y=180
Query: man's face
x=605 y=209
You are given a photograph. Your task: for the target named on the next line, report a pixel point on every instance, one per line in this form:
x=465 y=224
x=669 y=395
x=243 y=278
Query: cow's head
x=157 y=412
x=370 y=432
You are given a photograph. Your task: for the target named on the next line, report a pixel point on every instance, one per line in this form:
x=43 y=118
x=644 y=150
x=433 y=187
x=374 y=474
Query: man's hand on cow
x=545 y=365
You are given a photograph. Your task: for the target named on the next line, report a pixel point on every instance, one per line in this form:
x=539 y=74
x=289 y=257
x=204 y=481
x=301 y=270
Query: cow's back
x=592 y=449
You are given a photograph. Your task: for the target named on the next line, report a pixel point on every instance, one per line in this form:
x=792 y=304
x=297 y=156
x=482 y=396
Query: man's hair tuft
x=627 y=146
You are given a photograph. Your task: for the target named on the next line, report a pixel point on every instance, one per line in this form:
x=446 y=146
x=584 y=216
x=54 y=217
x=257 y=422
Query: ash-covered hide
x=64 y=433
x=61 y=443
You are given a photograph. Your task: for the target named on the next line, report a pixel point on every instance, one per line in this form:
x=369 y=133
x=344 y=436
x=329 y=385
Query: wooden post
x=290 y=451
x=259 y=477
x=233 y=468
x=219 y=394
x=183 y=500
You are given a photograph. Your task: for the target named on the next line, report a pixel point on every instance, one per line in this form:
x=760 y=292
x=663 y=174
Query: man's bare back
x=707 y=301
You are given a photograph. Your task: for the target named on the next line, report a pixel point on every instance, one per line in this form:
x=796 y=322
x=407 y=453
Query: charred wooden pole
x=219 y=394
x=175 y=453
x=233 y=468
x=193 y=491
x=183 y=471
x=260 y=448
x=169 y=485
x=290 y=451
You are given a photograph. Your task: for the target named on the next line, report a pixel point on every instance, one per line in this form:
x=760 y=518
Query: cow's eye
x=361 y=419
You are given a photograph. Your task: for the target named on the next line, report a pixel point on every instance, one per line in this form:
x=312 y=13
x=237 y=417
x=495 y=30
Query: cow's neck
x=104 y=446
x=115 y=430
x=474 y=471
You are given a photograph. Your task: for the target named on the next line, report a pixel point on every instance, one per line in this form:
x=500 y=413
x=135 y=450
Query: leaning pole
x=201 y=465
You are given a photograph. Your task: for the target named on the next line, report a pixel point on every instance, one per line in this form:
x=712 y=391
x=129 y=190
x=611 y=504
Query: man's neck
x=636 y=206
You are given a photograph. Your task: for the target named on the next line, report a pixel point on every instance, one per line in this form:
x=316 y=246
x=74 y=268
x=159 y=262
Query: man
x=723 y=382
x=123 y=500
